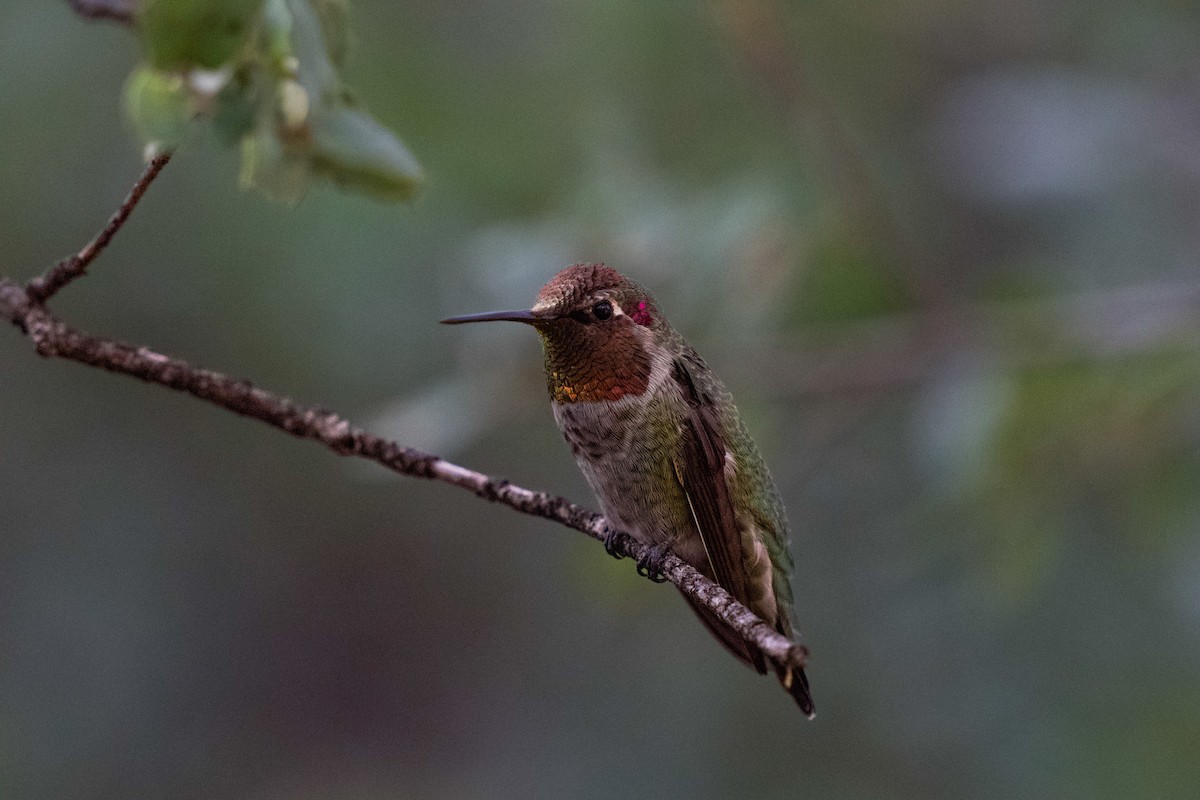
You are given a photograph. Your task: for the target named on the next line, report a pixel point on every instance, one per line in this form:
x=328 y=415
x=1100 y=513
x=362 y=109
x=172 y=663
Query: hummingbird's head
x=599 y=332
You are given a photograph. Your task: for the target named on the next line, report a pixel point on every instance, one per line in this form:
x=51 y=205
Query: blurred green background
x=944 y=254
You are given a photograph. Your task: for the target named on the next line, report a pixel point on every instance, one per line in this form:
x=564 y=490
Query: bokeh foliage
x=266 y=73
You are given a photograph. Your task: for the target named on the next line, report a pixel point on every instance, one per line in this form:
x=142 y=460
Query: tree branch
x=114 y=10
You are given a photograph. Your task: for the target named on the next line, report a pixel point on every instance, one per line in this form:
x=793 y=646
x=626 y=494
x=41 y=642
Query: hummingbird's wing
x=700 y=468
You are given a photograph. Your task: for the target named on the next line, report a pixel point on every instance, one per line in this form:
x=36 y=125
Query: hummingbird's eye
x=602 y=310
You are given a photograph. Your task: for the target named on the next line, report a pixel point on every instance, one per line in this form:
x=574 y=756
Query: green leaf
x=319 y=133
x=265 y=73
x=354 y=150
x=334 y=16
x=277 y=32
x=157 y=104
x=233 y=112
x=270 y=168
x=184 y=34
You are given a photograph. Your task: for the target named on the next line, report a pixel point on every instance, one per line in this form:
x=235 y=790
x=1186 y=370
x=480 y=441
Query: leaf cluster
x=265 y=76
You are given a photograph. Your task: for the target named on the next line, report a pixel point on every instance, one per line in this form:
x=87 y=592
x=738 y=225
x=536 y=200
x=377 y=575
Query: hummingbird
x=660 y=442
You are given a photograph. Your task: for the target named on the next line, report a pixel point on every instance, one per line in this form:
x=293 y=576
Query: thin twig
x=54 y=339
x=43 y=287
x=113 y=10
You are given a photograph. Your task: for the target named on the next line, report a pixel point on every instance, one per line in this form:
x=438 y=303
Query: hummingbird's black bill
x=493 y=316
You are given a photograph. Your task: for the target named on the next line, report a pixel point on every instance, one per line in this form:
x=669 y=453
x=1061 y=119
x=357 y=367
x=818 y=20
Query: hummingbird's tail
x=796 y=684
x=794 y=681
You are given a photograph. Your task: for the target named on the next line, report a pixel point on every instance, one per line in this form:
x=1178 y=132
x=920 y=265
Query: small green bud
x=293 y=106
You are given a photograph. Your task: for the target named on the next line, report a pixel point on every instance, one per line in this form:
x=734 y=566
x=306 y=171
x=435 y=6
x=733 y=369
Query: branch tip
x=122 y=11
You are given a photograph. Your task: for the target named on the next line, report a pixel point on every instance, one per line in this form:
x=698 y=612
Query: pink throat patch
x=641 y=316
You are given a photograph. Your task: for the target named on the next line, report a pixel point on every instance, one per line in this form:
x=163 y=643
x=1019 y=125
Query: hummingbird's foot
x=610 y=542
x=649 y=565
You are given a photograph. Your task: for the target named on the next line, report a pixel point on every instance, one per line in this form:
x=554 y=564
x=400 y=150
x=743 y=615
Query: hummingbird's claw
x=649 y=565
x=610 y=543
